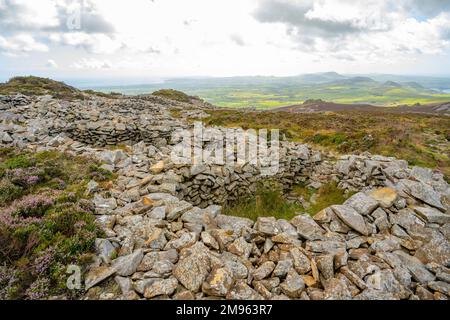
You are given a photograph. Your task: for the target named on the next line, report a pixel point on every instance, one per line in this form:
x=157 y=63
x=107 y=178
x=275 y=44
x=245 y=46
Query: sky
x=152 y=39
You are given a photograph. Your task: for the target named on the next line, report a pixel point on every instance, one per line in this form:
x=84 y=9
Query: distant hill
x=353 y=81
x=39 y=86
x=392 y=84
x=173 y=95
x=414 y=85
x=321 y=77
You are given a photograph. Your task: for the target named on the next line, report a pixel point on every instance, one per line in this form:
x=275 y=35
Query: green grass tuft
x=268 y=201
x=327 y=195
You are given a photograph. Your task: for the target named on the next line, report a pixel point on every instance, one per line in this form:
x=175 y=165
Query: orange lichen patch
x=385 y=196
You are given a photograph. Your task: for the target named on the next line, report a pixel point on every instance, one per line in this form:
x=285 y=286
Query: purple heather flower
x=15 y=222
x=38 y=289
x=31 y=205
x=43 y=262
x=24 y=177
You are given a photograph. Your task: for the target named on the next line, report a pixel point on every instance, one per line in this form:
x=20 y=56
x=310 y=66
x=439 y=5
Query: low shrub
x=46 y=221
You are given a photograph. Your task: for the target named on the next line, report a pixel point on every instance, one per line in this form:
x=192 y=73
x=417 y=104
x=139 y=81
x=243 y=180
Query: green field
x=270 y=92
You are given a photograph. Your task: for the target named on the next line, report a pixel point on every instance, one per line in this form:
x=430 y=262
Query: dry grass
x=418 y=138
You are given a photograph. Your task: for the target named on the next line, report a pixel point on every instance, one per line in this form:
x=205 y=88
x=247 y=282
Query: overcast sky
x=167 y=38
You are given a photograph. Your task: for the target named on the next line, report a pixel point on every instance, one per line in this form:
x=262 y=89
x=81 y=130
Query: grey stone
x=193 y=267
x=264 y=270
x=185 y=240
x=233 y=223
x=424 y=193
x=127 y=265
x=352 y=218
x=293 y=285
x=440 y=286
x=161 y=287
x=209 y=240
x=362 y=203
x=151 y=258
x=282 y=268
x=267 y=226
x=242 y=291
x=218 y=283
x=325 y=246
x=97 y=275
x=125 y=284
x=105 y=250
x=415 y=267
x=325 y=264
x=431 y=215
x=336 y=289
x=301 y=262
x=175 y=210
x=307 y=228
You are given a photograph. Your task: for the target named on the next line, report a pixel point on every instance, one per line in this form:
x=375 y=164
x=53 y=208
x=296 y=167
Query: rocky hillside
x=39 y=86
x=164 y=234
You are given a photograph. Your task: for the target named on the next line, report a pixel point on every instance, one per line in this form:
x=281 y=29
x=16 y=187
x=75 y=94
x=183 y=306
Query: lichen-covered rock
x=293 y=285
x=193 y=267
x=218 y=283
x=264 y=270
x=161 y=287
x=386 y=197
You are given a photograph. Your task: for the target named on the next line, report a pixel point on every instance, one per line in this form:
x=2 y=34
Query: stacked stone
x=388 y=241
x=358 y=172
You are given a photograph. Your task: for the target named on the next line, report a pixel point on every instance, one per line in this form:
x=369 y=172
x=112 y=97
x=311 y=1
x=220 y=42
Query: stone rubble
x=166 y=237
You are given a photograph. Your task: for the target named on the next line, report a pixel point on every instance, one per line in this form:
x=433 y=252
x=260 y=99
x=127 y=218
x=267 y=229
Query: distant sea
x=442 y=90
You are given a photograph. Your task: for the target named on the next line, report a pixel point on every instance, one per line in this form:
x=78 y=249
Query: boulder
x=193 y=267
x=218 y=283
x=386 y=197
x=362 y=203
x=351 y=218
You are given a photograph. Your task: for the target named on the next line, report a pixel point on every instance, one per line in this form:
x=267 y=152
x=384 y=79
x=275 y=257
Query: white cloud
x=92 y=43
x=237 y=39
x=204 y=37
x=90 y=63
x=21 y=43
x=51 y=64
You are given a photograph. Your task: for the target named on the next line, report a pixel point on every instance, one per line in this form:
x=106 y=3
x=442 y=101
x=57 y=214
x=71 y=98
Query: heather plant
x=46 y=221
x=31 y=206
x=9 y=191
x=39 y=289
x=24 y=177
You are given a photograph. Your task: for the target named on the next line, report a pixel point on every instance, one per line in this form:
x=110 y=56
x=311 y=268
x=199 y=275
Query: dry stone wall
x=389 y=241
